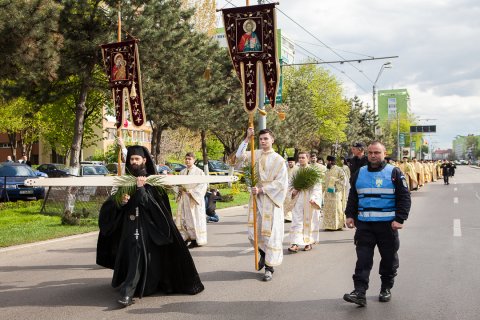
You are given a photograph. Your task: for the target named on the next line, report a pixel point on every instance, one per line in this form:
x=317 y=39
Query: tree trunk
x=79 y=126
x=12 y=138
x=77 y=144
x=203 y=134
x=153 y=142
x=158 y=144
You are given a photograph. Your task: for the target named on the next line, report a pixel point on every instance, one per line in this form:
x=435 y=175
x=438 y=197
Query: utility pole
x=262 y=119
x=398 y=136
x=386 y=65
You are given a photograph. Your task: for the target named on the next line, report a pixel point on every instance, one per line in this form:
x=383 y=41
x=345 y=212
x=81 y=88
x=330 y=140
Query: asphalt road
x=438 y=276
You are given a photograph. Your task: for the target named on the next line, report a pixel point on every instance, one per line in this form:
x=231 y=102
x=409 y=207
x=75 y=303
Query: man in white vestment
x=269 y=194
x=288 y=204
x=191 y=219
x=305 y=214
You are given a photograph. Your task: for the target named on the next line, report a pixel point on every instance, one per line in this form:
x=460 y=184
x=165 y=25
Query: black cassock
x=144 y=247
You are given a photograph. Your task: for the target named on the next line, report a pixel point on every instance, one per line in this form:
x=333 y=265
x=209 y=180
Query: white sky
x=437 y=41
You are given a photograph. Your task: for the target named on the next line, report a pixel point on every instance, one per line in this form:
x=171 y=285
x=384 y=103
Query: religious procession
x=308 y=178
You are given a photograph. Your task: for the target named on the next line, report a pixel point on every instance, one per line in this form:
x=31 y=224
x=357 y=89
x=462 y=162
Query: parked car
x=93 y=170
x=113 y=168
x=92 y=162
x=12 y=183
x=164 y=169
x=177 y=167
x=219 y=168
x=54 y=170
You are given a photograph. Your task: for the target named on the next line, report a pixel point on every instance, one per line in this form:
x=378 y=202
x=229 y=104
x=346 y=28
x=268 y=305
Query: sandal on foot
x=293 y=248
x=308 y=247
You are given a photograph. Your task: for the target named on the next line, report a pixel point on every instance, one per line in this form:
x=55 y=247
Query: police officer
x=378 y=204
x=358 y=160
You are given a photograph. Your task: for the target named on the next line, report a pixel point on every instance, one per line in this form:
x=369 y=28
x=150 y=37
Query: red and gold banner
x=122 y=66
x=251 y=37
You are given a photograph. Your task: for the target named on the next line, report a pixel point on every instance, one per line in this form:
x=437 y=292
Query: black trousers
x=367 y=236
x=445 y=178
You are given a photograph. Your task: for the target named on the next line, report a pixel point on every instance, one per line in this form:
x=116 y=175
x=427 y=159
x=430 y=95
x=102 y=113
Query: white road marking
x=455 y=189
x=457 y=229
x=455 y=200
x=246 y=251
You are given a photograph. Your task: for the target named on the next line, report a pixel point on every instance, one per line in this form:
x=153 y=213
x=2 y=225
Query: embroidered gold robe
x=333 y=214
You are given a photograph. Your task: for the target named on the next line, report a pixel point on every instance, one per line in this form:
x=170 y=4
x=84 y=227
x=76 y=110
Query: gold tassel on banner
x=133 y=92
x=262 y=112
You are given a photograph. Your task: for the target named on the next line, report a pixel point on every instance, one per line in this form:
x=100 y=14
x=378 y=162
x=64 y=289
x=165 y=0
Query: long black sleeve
x=351 y=211
x=403 y=201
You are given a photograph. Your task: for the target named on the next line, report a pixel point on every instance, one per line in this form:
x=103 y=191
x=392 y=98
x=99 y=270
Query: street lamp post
x=386 y=65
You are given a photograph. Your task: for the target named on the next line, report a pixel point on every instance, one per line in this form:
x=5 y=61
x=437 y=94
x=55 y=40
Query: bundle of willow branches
x=127 y=184
x=251 y=176
x=305 y=178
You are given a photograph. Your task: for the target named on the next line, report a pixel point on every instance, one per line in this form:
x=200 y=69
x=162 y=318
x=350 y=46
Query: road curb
x=39 y=243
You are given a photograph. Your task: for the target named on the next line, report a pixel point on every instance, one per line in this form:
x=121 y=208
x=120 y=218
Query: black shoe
x=385 y=295
x=126 y=301
x=356 y=297
x=268 y=276
x=193 y=244
x=261 y=263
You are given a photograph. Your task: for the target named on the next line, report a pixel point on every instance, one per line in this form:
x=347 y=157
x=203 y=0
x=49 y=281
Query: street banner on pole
x=251 y=37
x=122 y=65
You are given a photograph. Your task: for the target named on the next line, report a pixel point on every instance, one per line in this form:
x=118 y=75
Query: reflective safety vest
x=376 y=194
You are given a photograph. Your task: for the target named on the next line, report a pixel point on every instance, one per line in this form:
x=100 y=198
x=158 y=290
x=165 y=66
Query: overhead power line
x=339 y=61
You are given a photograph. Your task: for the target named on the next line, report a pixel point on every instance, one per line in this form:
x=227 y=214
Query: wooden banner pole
x=254 y=199
x=119 y=130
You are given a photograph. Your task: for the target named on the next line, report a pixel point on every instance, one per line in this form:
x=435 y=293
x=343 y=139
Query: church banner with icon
x=122 y=66
x=251 y=38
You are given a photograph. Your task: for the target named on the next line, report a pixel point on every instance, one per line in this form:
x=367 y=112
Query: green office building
x=392 y=101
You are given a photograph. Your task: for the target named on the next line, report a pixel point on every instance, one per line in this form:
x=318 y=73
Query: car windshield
x=101 y=170
x=16 y=171
x=219 y=165
x=59 y=166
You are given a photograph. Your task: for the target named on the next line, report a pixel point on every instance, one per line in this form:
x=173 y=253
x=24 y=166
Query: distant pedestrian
x=9 y=159
x=446 y=170
x=25 y=160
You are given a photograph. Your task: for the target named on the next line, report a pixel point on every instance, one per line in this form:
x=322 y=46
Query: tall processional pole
x=254 y=199
x=119 y=129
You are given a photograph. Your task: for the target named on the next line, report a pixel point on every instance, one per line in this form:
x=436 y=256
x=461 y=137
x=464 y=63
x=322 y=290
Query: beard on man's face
x=138 y=170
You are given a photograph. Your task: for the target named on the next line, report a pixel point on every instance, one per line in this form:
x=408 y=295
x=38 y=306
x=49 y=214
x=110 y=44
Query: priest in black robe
x=138 y=239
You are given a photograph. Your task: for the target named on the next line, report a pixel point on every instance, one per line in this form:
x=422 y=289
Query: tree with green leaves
x=84 y=26
x=317 y=113
x=30 y=44
x=361 y=124
x=21 y=123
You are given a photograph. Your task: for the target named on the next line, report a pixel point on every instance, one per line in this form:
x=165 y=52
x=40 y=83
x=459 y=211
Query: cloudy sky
x=437 y=41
